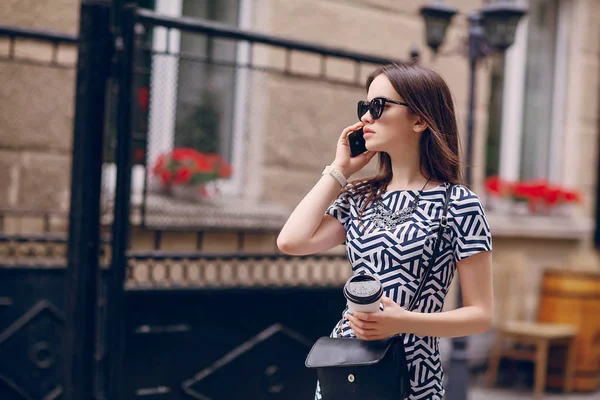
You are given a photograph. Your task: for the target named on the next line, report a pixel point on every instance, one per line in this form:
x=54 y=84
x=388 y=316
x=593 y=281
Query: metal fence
x=37 y=73
x=53 y=49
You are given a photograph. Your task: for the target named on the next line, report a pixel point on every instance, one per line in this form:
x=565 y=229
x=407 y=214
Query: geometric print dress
x=399 y=257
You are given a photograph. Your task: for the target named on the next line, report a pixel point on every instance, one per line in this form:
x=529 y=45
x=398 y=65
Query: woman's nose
x=367 y=118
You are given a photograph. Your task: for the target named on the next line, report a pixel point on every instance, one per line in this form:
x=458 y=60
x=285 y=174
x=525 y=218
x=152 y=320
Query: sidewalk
x=478 y=393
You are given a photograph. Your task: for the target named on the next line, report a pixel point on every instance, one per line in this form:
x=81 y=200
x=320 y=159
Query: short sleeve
x=472 y=233
x=340 y=209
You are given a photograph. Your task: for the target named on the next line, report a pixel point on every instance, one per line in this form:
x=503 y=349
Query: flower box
x=188 y=174
x=530 y=198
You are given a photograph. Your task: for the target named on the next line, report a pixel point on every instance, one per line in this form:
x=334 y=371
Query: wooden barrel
x=573 y=297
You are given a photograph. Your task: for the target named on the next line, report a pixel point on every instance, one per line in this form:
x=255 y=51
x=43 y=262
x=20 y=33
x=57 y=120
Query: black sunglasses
x=375 y=107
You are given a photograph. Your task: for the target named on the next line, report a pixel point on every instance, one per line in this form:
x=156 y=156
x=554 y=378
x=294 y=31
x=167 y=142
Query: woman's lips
x=368 y=132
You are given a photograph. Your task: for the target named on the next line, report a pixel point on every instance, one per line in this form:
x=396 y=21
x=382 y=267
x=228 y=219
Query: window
x=185 y=101
x=204 y=109
x=199 y=100
x=528 y=97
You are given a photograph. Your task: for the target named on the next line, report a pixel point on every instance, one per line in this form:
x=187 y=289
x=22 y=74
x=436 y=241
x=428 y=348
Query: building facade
x=536 y=117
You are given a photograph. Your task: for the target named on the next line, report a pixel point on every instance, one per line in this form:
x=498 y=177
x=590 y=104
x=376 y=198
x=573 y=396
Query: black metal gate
x=156 y=323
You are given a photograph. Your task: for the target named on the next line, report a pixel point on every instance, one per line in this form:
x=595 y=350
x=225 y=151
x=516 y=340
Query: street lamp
x=500 y=22
x=491 y=29
x=437 y=18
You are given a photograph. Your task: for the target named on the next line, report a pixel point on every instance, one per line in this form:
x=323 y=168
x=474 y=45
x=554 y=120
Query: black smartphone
x=356 y=141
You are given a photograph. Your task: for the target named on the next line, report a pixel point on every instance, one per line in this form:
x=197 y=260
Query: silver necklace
x=389 y=220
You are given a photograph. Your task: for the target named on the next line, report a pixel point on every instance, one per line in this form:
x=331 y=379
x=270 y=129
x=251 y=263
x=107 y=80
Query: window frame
x=514 y=97
x=159 y=124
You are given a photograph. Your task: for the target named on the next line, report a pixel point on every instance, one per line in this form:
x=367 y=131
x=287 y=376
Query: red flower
x=225 y=171
x=165 y=177
x=554 y=195
x=188 y=166
x=203 y=164
x=521 y=190
x=496 y=186
x=213 y=158
x=534 y=192
x=183 y=175
x=159 y=166
x=493 y=185
x=537 y=189
x=572 y=196
x=221 y=166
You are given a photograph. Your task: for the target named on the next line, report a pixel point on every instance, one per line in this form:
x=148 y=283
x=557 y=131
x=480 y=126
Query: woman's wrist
x=344 y=171
x=405 y=320
x=337 y=175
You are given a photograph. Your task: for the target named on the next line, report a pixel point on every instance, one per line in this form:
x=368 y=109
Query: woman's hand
x=343 y=162
x=378 y=325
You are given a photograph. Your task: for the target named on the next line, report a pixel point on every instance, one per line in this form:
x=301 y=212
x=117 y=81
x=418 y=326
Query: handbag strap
x=436 y=249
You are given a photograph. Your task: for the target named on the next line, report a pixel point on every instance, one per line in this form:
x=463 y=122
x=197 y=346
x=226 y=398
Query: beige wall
x=36 y=110
x=524 y=260
x=56 y=15
x=304 y=119
x=581 y=126
x=35 y=136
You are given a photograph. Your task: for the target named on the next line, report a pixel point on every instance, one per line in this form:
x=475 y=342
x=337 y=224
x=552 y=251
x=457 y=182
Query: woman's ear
x=419 y=125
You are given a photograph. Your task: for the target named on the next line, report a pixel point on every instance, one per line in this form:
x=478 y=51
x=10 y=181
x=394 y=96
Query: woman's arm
x=308 y=230
x=475 y=275
x=476 y=314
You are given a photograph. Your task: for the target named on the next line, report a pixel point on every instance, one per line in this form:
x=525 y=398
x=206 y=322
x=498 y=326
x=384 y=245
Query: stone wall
x=36 y=109
x=304 y=119
x=582 y=120
x=55 y=15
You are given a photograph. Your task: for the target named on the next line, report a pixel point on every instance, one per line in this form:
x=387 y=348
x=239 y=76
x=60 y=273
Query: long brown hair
x=429 y=97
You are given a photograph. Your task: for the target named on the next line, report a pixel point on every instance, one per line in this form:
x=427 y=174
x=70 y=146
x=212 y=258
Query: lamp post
x=491 y=29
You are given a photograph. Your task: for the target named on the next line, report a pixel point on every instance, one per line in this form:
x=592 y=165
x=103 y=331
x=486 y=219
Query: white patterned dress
x=399 y=257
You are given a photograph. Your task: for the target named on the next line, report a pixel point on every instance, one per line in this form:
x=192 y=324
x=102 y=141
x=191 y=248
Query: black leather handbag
x=355 y=369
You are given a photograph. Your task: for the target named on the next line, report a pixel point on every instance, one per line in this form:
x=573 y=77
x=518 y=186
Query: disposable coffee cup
x=363 y=293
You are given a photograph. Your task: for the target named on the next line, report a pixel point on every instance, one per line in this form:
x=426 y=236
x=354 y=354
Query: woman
x=409 y=121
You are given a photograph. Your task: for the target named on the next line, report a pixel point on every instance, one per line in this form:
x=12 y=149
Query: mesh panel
x=217 y=111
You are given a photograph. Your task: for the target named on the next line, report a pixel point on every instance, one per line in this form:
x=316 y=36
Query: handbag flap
x=331 y=352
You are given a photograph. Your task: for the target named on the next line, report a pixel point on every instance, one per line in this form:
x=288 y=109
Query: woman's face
x=396 y=128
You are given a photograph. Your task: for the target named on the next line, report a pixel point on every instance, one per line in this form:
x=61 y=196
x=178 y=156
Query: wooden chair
x=518 y=339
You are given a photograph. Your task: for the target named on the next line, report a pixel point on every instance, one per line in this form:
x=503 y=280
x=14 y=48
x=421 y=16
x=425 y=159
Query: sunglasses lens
x=376 y=108
x=363 y=107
